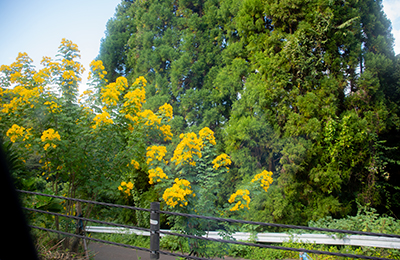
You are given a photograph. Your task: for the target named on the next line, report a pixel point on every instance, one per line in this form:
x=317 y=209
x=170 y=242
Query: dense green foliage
x=306 y=89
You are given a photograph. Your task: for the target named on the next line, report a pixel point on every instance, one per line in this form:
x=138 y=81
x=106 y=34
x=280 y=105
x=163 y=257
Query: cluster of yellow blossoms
x=245 y=196
x=17 y=131
x=156 y=175
x=69 y=45
x=22 y=96
x=72 y=65
x=135 y=164
x=155 y=152
x=140 y=80
x=166 y=110
x=104 y=118
x=48 y=136
x=221 y=160
x=15 y=71
x=97 y=68
x=69 y=75
x=134 y=100
x=177 y=193
x=150 y=116
x=53 y=107
x=266 y=179
x=208 y=134
x=110 y=93
x=129 y=187
x=47 y=61
x=190 y=145
x=42 y=75
x=166 y=131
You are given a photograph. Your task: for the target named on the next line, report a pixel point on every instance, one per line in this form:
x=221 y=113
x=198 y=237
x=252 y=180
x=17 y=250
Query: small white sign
x=153 y=222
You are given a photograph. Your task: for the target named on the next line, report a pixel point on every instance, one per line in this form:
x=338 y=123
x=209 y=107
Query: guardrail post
x=154 y=228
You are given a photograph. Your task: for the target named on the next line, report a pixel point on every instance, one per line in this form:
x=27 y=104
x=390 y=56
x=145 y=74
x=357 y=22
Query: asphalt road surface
x=110 y=252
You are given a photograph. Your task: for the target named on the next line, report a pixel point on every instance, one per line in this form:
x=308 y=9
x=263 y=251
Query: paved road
x=110 y=252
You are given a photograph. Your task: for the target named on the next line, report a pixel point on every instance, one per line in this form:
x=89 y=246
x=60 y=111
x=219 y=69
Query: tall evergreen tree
x=114 y=47
x=319 y=74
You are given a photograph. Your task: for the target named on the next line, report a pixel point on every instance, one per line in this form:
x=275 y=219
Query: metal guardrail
x=156 y=233
x=352 y=240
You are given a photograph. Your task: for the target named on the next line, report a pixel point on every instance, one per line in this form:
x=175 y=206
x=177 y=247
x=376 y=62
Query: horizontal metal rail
x=155 y=232
x=352 y=240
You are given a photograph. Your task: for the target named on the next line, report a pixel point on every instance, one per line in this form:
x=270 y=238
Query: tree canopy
x=306 y=89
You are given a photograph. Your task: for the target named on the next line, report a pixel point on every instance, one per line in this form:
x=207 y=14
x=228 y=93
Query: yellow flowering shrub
x=155 y=152
x=207 y=134
x=265 y=179
x=126 y=187
x=134 y=100
x=15 y=132
x=177 y=193
x=97 y=67
x=110 y=93
x=166 y=131
x=68 y=47
x=18 y=71
x=140 y=81
x=166 y=110
x=190 y=145
x=103 y=118
x=244 y=202
x=42 y=76
x=155 y=175
x=21 y=96
x=221 y=160
x=150 y=117
x=48 y=136
x=135 y=164
x=52 y=65
x=53 y=107
x=69 y=75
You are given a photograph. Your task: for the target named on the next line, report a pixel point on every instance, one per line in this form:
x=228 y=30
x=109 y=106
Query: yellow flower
x=265 y=178
x=177 y=193
x=19 y=97
x=155 y=152
x=208 y=134
x=190 y=145
x=135 y=164
x=150 y=116
x=166 y=110
x=15 y=132
x=97 y=68
x=129 y=185
x=110 y=93
x=166 y=130
x=53 y=107
x=245 y=198
x=221 y=160
x=134 y=100
x=103 y=118
x=139 y=80
x=49 y=135
x=156 y=175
